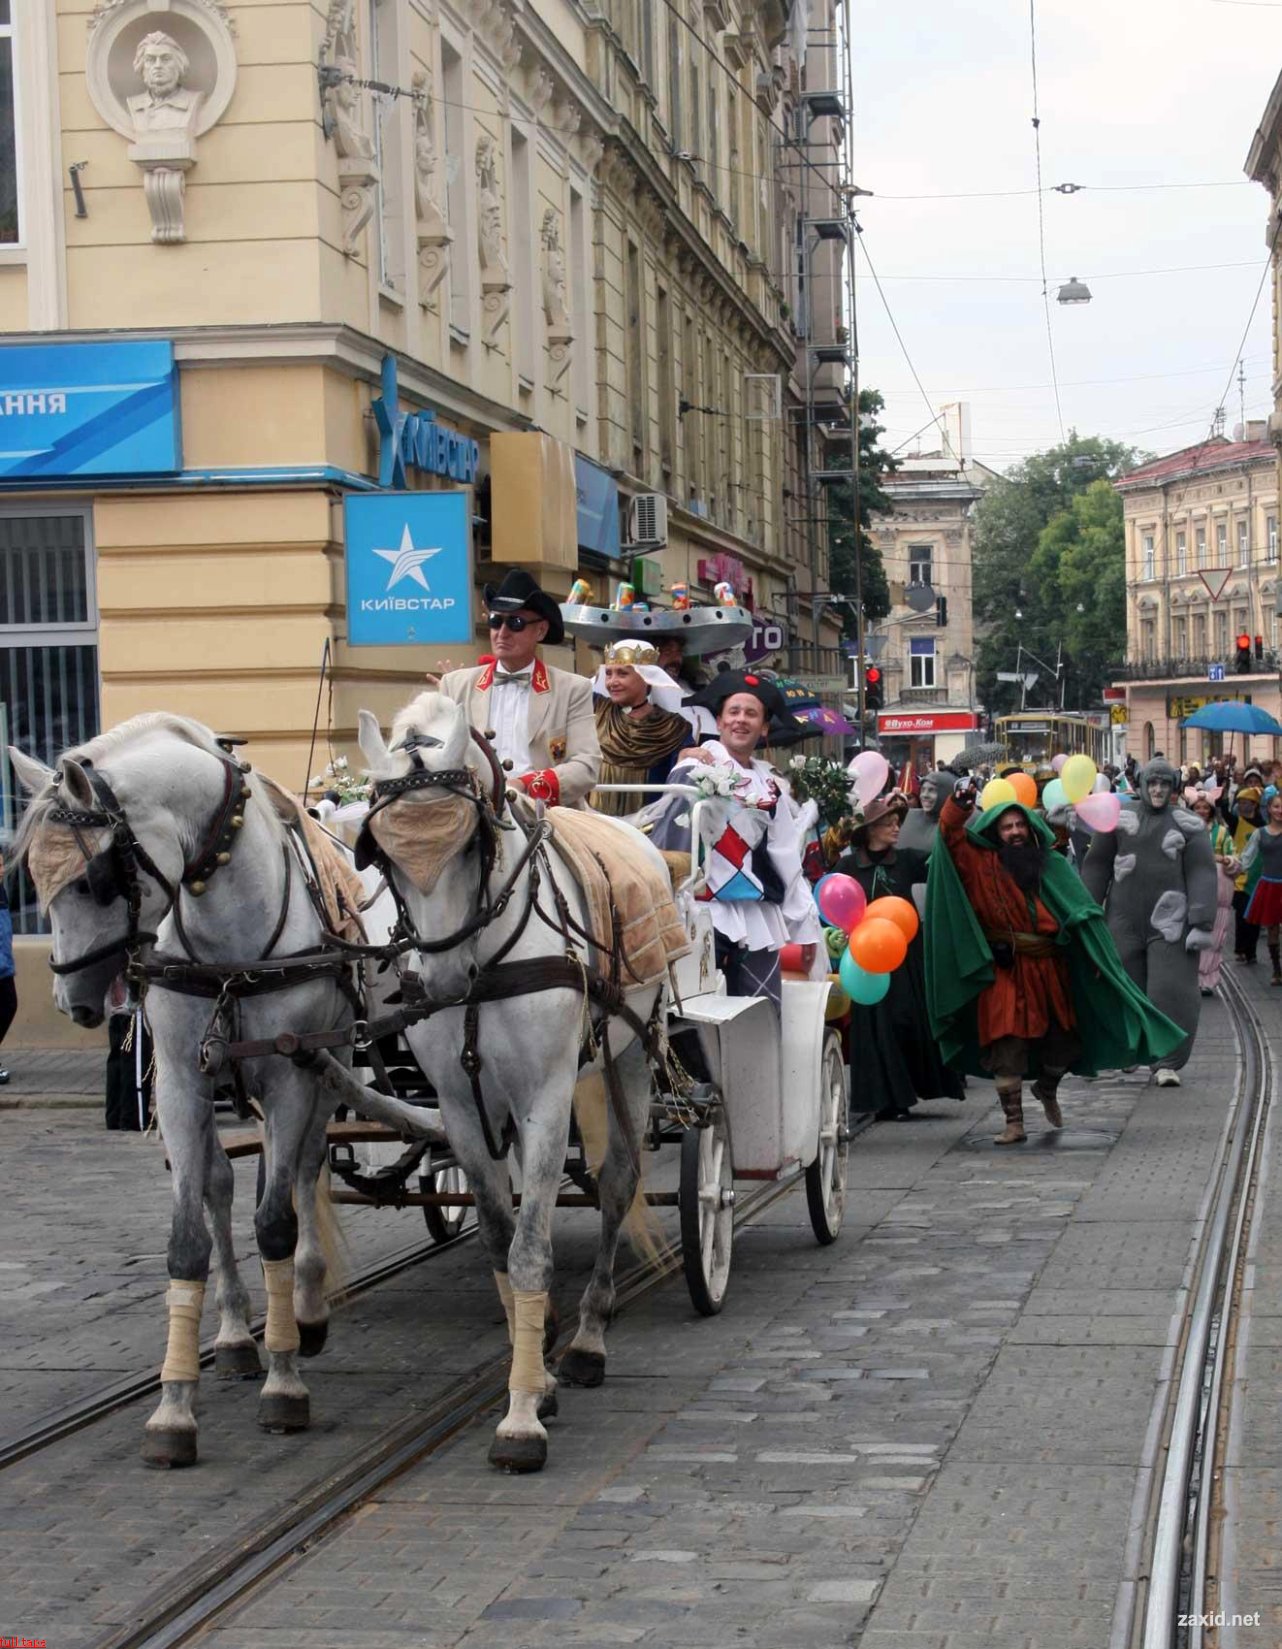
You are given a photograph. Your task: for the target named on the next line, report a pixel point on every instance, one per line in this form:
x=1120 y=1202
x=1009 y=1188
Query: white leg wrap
x=504 y=1287
x=182 y=1354
x=281 y=1333
x=528 y=1373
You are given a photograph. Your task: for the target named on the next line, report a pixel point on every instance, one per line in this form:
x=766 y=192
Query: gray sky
x=1130 y=92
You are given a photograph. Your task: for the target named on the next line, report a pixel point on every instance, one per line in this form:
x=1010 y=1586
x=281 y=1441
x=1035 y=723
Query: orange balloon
x=1025 y=787
x=902 y=912
x=878 y=945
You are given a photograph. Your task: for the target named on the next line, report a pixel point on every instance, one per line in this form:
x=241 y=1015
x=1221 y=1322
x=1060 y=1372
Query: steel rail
x=200 y=1593
x=1180 y=1534
x=64 y=1422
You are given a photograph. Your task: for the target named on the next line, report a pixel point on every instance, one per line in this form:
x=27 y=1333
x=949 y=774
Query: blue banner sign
x=414 y=440
x=70 y=410
x=409 y=569
x=598 y=508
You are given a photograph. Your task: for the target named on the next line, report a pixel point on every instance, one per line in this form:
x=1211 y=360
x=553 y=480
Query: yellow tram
x=1034 y=736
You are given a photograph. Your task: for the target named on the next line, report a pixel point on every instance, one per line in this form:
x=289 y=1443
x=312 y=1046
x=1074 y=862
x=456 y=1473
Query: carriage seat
x=629 y=897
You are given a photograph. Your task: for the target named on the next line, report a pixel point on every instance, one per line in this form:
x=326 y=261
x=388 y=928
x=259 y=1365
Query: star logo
x=407 y=562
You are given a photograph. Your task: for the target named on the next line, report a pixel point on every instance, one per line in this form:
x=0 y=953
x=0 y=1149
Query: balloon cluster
x=1082 y=786
x=867 y=941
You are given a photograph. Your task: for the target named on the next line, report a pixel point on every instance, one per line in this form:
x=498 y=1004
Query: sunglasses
x=514 y=622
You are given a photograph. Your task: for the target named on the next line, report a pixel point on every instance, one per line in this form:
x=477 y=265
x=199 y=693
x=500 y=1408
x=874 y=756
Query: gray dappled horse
x=162 y=834
x=481 y=915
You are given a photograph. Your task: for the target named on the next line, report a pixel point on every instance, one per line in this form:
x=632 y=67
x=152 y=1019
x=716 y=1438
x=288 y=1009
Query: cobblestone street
x=932 y=1435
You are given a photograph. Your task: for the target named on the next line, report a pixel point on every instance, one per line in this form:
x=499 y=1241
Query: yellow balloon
x=1077 y=776
x=997 y=792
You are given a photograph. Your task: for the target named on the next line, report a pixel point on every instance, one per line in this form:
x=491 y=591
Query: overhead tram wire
x=1041 y=213
x=862 y=246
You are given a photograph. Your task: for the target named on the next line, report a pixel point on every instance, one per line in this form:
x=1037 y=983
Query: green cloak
x=1116 y=1023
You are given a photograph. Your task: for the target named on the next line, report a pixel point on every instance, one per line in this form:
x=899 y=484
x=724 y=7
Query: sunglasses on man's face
x=514 y=622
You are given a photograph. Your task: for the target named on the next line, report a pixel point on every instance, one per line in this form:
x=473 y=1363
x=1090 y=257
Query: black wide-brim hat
x=781 y=727
x=519 y=590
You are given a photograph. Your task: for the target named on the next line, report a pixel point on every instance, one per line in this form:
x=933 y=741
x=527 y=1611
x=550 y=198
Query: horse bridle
x=115 y=871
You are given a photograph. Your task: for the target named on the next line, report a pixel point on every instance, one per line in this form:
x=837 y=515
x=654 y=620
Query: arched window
x=1148 y=741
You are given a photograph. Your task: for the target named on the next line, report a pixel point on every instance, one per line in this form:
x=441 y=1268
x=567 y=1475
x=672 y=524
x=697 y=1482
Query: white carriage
x=767 y=1102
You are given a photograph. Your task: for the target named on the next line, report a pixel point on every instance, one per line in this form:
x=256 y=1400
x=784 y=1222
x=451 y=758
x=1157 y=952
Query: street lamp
x=1073 y=291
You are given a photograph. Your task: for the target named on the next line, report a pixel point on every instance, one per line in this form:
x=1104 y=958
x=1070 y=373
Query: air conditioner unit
x=647 y=521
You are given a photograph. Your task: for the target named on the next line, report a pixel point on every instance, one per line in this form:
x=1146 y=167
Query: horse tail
x=641 y=1224
x=333 y=1242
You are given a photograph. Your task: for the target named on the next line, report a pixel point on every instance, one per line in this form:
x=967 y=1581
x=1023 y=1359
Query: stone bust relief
x=166 y=105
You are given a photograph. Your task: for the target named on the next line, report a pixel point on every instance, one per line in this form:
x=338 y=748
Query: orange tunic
x=1025 y=999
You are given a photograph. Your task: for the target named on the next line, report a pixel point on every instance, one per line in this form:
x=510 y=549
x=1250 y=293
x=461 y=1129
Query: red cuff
x=542 y=785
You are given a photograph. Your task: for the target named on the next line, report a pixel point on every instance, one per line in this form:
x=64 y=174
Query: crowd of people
x=1045 y=946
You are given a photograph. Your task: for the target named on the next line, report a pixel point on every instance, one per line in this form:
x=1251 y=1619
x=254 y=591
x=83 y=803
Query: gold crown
x=631 y=652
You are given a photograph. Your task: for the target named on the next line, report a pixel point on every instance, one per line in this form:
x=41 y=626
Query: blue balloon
x=815 y=890
x=860 y=985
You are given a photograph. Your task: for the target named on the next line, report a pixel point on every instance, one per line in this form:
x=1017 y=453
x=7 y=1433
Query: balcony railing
x=1192 y=669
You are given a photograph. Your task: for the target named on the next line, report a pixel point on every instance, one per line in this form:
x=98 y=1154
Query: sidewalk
x=53 y=1078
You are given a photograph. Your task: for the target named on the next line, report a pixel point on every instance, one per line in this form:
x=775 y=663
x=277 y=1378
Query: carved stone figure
x=161 y=90
x=166 y=105
x=351 y=139
x=343 y=119
x=496 y=286
x=433 y=232
x=560 y=335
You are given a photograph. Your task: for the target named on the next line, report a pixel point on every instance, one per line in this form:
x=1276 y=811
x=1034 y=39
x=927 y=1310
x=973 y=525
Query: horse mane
x=98 y=750
x=423 y=712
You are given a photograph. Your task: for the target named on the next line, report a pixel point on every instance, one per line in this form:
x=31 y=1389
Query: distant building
x=926 y=648
x=1201 y=572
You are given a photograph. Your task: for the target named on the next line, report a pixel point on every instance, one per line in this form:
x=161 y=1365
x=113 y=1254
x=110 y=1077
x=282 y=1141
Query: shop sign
x=1179 y=705
x=1114 y=695
x=415 y=440
x=409 y=569
x=768 y=636
x=912 y=723
x=1119 y=715
x=597 y=495
x=71 y=410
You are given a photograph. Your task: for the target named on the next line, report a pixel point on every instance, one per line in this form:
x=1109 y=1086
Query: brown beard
x=1023 y=863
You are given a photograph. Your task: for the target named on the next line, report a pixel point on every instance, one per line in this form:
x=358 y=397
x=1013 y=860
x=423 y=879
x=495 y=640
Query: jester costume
x=1026 y=982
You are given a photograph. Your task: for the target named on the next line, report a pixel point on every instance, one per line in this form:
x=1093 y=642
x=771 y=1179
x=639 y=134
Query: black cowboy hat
x=519 y=590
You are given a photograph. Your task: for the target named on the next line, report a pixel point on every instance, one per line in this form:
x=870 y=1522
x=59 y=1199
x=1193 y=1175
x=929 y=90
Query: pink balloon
x=870 y=772
x=1058 y=761
x=1100 y=813
x=842 y=902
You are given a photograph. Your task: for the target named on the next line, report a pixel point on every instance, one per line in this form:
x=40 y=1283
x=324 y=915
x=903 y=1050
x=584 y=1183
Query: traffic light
x=1259 y=648
x=873 y=698
x=1242 y=663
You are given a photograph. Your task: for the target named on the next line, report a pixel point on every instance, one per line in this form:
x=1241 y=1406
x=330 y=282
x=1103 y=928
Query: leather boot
x=1045 y=1089
x=1276 y=959
x=1013 y=1107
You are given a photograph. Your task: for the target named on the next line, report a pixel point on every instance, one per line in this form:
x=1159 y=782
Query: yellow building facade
x=566 y=228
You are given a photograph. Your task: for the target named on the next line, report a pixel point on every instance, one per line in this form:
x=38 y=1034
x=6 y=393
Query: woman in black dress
x=893 y=1058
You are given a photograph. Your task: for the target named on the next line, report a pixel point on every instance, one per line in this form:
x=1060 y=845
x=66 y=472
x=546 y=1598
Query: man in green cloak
x=1022 y=977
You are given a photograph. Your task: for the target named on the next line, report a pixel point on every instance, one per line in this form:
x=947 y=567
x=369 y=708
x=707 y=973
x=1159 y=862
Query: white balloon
x=1101 y=785
x=869 y=770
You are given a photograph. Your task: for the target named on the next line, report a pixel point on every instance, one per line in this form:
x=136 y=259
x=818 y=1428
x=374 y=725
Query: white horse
x=502 y=1053
x=153 y=831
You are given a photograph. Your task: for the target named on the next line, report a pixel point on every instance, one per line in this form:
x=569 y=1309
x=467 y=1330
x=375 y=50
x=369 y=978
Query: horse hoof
x=519 y=1454
x=169 y=1447
x=312 y=1337
x=237 y=1360
x=548 y=1408
x=281 y=1412
x=582 y=1368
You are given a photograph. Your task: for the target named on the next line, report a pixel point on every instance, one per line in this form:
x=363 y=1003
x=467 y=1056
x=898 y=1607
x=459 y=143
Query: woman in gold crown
x=637 y=723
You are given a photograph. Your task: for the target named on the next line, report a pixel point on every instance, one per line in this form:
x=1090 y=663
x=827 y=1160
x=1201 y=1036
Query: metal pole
x=854 y=481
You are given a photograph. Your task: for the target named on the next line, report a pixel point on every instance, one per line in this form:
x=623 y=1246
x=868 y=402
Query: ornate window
x=1181 y=553
x=921 y=661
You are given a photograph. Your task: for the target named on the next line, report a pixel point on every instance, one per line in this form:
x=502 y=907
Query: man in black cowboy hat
x=544 y=730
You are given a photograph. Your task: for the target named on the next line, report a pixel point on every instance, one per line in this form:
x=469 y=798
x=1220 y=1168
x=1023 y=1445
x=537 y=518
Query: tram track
x=60 y=1423
x=1186 y=1511
x=199 y=1595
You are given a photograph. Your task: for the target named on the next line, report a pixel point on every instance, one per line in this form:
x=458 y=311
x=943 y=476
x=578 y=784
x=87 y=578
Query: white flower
x=340 y=764
x=797 y=761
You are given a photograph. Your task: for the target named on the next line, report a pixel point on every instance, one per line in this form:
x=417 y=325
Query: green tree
x=1047 y=537
x=874 y=465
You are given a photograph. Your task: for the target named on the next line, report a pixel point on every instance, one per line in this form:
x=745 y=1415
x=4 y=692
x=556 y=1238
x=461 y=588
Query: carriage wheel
x=444 y=1224
x=826 y=1175
x=707 y=1211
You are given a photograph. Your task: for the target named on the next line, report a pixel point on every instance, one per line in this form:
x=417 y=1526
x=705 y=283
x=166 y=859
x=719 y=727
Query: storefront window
x=48 y=653
x=9 y=225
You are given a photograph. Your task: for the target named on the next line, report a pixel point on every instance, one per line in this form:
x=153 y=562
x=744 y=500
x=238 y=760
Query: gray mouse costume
x=1155 y=876
x=920 y=827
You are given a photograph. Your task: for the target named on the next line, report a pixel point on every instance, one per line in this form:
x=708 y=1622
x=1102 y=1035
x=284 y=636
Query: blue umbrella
x=1230 y=717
